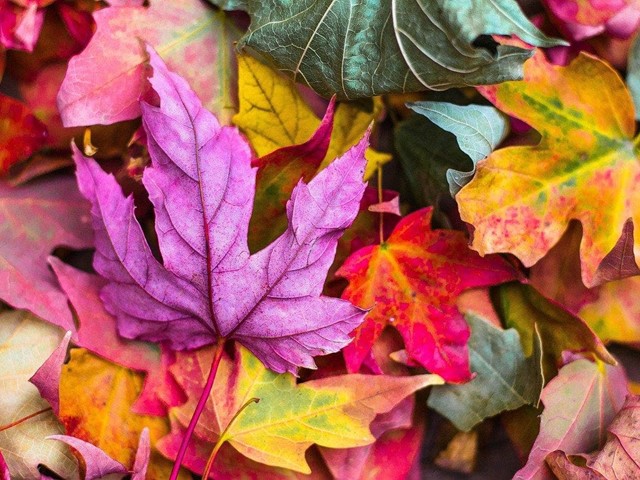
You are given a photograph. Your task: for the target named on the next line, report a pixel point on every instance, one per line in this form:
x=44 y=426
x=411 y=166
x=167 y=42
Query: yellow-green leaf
x=289 y=418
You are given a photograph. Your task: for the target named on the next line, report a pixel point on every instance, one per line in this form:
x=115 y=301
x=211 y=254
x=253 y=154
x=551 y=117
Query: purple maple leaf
x=201 y=185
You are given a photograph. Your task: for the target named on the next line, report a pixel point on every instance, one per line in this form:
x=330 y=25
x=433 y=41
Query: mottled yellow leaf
x=615 y=314
x=585 y=167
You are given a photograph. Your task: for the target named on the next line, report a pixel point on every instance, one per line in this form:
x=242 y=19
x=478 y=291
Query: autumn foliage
x=322 y=239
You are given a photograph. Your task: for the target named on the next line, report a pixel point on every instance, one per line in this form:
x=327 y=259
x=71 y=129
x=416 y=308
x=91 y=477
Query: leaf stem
x=223 y=438
x=206 y=391
x=24 y=419
x=381 y=221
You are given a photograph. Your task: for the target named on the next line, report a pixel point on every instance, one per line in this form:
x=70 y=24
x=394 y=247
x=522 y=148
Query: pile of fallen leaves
x=319 y=239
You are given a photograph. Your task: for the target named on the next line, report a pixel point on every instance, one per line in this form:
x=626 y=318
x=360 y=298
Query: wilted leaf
x=582 y=19
x=461 y=453
x=95 y=406
x=505 y=379
x=557 y=274
x=619 y=457
x=21 y=133
x=98 y=464
x=186 y=33
x=25 y=343
x=578 y=405
x=411 y=282
x=35 y=219
x=20 y=25
x=201 y=184
x=585 y=168
x=289 y=418
x=478 y=130
x=370 y=48
x=524 y=309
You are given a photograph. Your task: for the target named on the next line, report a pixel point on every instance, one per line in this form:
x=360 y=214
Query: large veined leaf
x=201 y=184
x=411 y=282
x=363 y=49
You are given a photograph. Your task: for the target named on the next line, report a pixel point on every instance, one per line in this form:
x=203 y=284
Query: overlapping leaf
x=99 y=465
x=97 y=332
x=585 y=168
x=92 y=94
x=273 y=115
x=615 y=314
x=411 y=282
x=201 y=184
x=505 y=379
x=619 y=457
x=95 y=406
x=582 y=19
x=478 y=130
x=369 y=48
x=35 y=219
x=578 y=405
x=25 y=343
x=524 y=309
x=334 y=411
x=21 y=133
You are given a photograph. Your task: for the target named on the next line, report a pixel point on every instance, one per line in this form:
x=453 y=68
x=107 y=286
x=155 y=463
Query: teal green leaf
x=505 y=379
x=426 y=154
x=479 y=129
x=367 y=48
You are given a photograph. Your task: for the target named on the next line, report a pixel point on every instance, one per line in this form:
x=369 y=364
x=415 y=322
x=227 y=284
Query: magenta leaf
x=47 y=377
x=35 y=219
x=201 y=184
